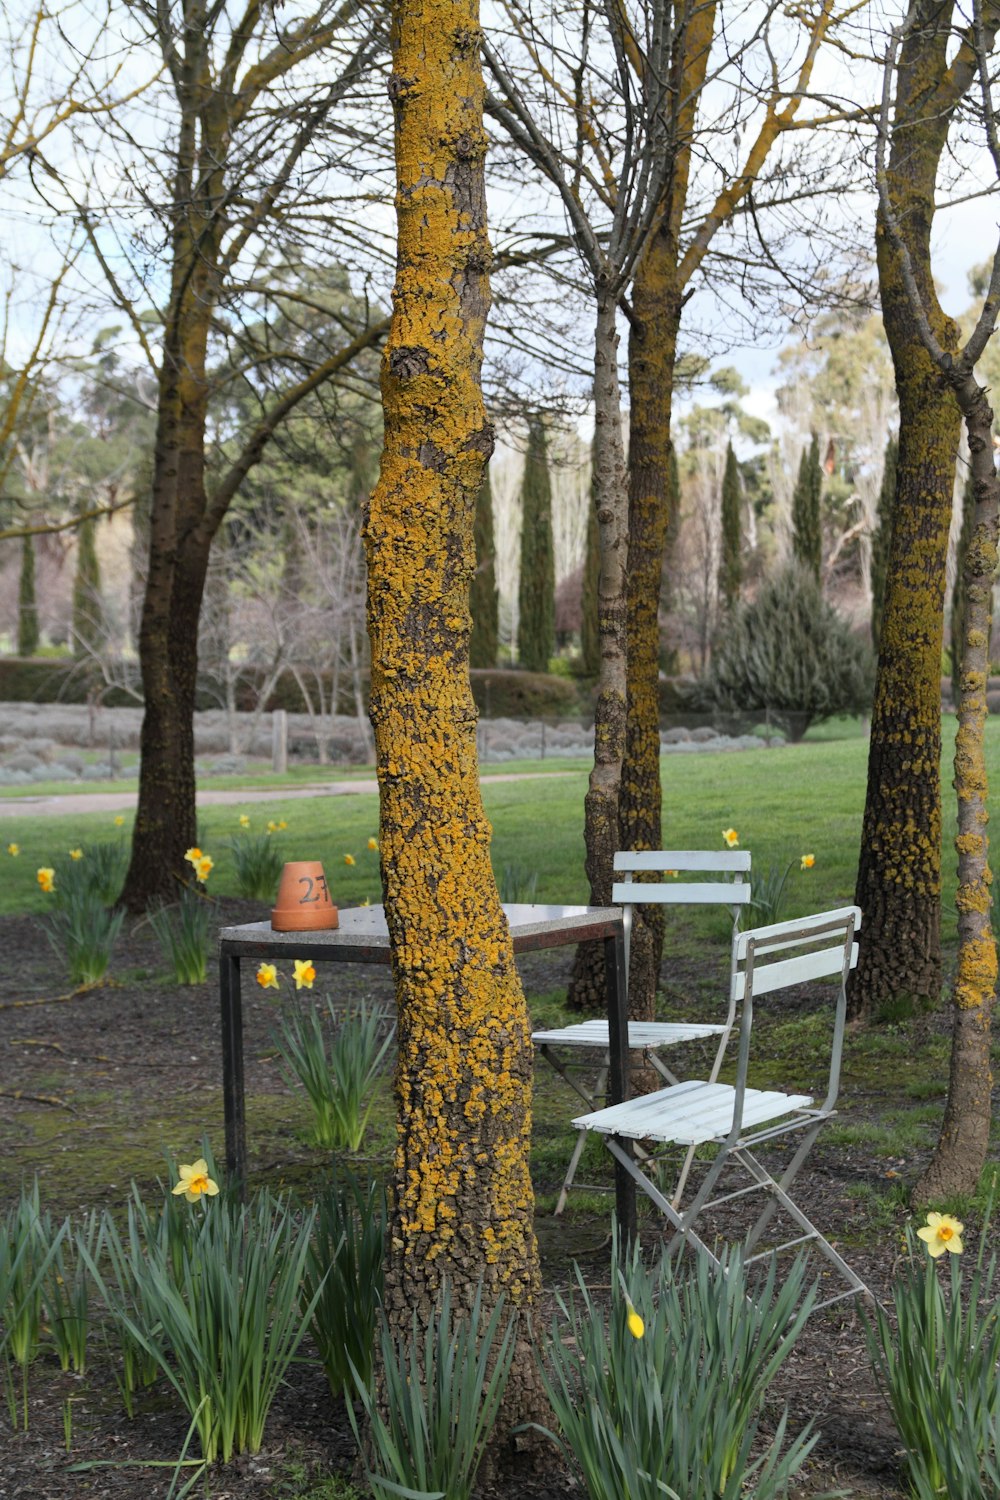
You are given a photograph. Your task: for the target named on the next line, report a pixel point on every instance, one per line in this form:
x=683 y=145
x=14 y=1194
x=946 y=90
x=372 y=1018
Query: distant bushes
x=498 y=694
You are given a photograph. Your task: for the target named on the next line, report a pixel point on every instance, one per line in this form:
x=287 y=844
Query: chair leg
x=681 y=1223
x=574 y=1162
x=593 y=1099
x=778 y=1197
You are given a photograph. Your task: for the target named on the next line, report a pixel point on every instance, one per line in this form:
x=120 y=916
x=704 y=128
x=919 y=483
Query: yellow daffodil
x=272 y=826
x=14 y=850
x=46 y=878
x=941 y=1233
x=373 y=843
x=193 y=854
x=267 y=977
x=282 y=826
x=204 y=867
x=76 y=854
x=304 y=974
x=671 y=873
x=731 y=837
x=633 y=1322
x=348 y=859
x=119 y=821
x=195 y=1181
x=807 y=861
x=366 y=902
x=244 y=821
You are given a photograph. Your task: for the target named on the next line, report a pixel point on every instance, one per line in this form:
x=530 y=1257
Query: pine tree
x=807 y=535
x=590 y=637
x=536 y=636
x=730 y=568
x=958 y=592
x=86 y=590
x=483 y=594
x=28 y=634
x=881 y=536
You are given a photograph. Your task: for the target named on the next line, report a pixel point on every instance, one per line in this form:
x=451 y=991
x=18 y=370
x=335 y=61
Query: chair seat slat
x=690 y=1114
x=641 y=1034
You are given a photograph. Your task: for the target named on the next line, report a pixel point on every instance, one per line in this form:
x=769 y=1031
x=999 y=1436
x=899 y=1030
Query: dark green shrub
x=524 y=695
x=788 y=653
x=56 y=680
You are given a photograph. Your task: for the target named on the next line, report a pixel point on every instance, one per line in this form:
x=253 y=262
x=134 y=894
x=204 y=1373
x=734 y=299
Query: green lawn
x=784 y=802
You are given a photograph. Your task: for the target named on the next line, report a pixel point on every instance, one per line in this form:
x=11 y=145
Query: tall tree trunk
x=586 y=989
x=653 y=500
x=961 y=1150
x=656 y=311
x=462 y=1204
x=899 y=871
x=179 y=543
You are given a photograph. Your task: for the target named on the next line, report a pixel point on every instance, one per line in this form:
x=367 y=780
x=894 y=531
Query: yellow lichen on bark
x=462 y=1199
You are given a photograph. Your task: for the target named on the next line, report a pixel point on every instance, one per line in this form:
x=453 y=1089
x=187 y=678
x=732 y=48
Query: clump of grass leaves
x=81 y=926
x=210 y=1296
x=342 y=1278
x=443 y=1388
x=937 y=1360
x=257 y=865
x=673 y=1414
x=337 y=1066
x=182 y=932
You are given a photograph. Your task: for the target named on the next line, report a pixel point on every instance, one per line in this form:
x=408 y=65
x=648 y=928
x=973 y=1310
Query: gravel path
x=125 y=801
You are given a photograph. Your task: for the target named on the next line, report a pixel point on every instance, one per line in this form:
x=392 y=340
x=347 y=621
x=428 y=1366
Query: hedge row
x=498 y=695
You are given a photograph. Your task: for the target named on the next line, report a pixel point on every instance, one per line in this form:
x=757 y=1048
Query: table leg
x=233 y=1095
x=616 y=982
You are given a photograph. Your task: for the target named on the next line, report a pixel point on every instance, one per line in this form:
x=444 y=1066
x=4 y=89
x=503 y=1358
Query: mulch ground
x=93 y=1087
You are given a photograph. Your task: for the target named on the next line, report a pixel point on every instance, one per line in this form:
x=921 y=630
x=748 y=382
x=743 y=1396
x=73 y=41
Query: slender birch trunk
x=961 y=1149
x=586 y=990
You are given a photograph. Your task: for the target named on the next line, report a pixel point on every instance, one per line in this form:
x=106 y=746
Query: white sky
x=964 y=236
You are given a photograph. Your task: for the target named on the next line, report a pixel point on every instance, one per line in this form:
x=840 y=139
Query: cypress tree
x=730 y=569
x=536 y=640
x=28 y=634
x=958 y=592
x=807 y=535
x=86 y=589
x=590 y=637
x=483 y=594
x=881 y=537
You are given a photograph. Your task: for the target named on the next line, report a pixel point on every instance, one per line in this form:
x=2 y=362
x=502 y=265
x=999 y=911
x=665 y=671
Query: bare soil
x=95 y=1088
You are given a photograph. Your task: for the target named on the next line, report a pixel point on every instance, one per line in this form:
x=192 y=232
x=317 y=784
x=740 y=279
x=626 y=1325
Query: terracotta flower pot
x=303 y=903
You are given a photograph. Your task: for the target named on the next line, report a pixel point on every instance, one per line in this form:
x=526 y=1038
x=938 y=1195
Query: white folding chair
x=736 y=1119
x=648 y=1037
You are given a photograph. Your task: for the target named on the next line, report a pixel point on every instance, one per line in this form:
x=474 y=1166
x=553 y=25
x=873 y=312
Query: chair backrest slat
x=799 y=970
x=681 y=893
x=796 y=930
x=723 y=861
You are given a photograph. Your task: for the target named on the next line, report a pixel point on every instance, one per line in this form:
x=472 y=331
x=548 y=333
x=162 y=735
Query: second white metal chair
x=733 y=1120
